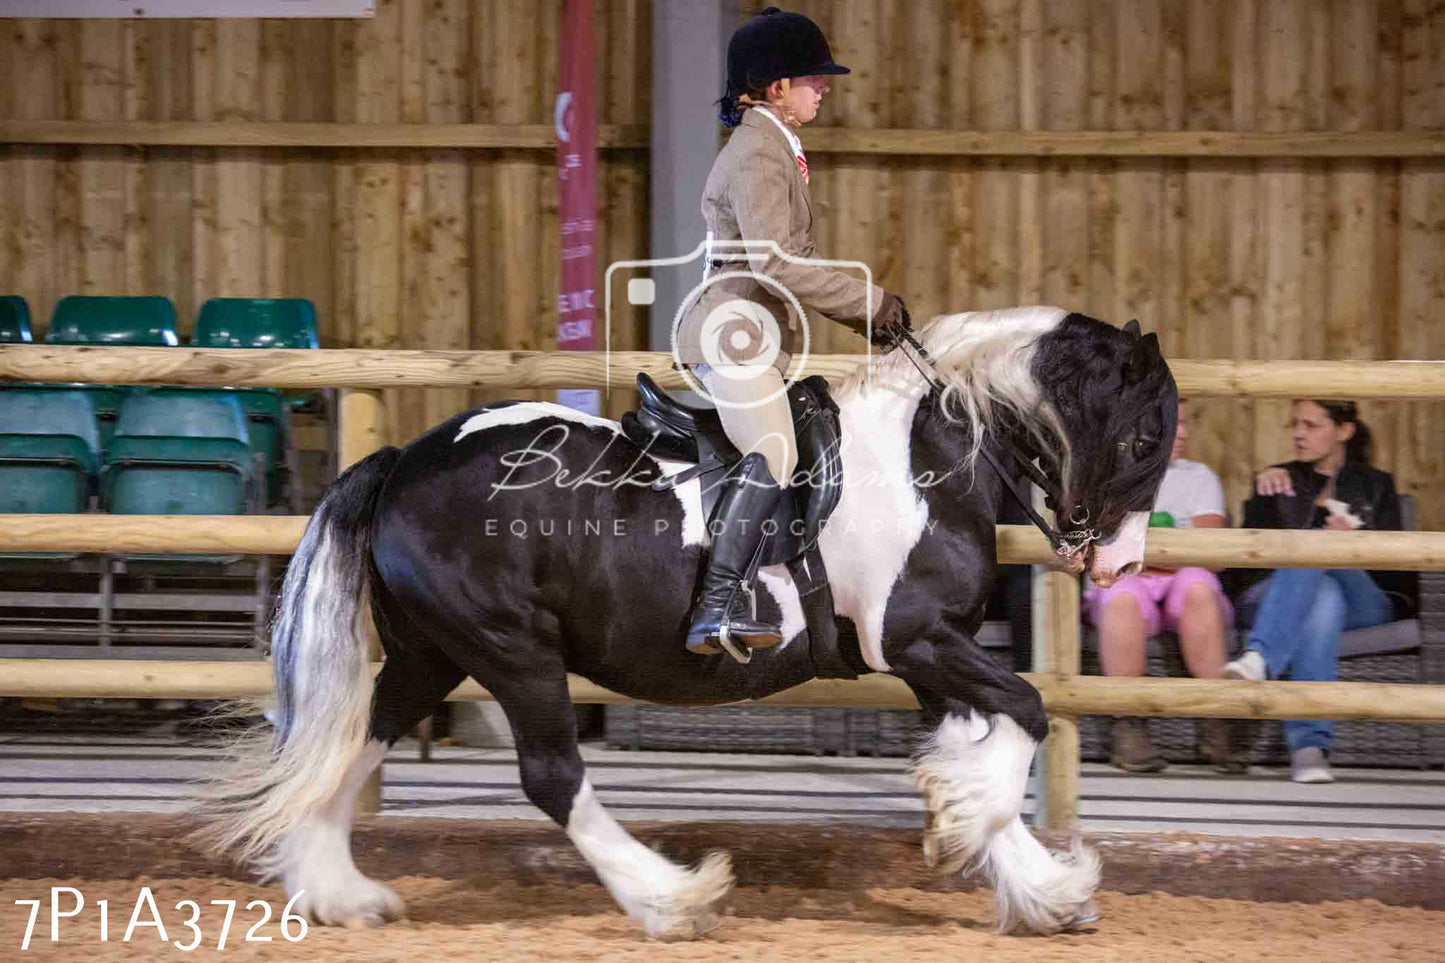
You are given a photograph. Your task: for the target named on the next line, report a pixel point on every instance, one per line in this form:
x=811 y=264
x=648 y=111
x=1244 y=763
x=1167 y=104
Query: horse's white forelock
x=985 y=360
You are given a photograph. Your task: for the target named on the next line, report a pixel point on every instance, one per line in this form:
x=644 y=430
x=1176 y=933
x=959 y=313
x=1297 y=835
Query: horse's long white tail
x=323 y=630
x=972 y=774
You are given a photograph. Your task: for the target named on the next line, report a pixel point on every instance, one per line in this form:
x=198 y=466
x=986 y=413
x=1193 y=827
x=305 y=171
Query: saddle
x=673 y=431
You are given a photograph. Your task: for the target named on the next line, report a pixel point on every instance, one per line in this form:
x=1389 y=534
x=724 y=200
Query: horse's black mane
x=1118 y=384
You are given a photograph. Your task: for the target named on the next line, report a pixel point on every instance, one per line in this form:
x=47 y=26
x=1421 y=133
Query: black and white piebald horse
x=466 y=559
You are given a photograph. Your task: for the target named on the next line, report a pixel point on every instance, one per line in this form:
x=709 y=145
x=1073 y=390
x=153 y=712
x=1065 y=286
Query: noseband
x=1064 y=543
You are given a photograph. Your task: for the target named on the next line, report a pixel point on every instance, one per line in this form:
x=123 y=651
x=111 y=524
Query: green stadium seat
x=49 y=450
x=134 y=321
x=179 y=451
x=105 y=402
x=14 y=320
x=256 y=323
x=131 y=321
x=261 y=323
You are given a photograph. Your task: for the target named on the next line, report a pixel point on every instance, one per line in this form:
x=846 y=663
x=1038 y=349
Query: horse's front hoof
x=946 y=849
x=696 y=908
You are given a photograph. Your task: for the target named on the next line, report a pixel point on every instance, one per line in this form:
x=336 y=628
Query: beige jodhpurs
x=767 y=427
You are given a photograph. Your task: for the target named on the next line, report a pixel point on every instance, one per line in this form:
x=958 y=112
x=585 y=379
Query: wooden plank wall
x=1226 y=258
x=397 y=248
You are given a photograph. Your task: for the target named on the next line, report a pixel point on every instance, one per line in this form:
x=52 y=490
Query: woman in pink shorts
x=1189 y=602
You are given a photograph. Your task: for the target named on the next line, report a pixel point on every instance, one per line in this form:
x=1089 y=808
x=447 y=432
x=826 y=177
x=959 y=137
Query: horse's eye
x=1143 y=445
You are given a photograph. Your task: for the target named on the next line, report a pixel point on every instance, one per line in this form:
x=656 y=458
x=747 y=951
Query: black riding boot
x=724 y=608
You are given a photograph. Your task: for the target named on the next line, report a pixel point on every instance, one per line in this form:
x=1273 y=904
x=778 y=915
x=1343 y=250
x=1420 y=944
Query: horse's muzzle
x=1104 y=578
x=1123 y=553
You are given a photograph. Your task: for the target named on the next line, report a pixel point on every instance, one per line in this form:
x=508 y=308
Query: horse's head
x=1117 y=405
x=1095 y=404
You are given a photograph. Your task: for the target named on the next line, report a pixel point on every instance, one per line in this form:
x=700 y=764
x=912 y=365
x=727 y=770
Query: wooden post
x=1056 y=653
x=363 y=431
x=363 y=427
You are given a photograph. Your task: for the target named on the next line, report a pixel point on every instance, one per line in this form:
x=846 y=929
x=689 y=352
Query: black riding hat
x=769 y=47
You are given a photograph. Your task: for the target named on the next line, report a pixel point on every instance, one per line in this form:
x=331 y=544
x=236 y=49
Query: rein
x=1063 y=544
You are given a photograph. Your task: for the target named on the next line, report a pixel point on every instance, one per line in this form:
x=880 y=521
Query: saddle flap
x=657 y=437
x=671 y=430
x=668 y=409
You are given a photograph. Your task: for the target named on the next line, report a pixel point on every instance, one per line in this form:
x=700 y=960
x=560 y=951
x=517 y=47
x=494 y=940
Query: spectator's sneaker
x=1133 y=752
x=1249 y=667
x=1310 y=765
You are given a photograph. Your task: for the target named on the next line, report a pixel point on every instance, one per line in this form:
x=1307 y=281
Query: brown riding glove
x=889 y=322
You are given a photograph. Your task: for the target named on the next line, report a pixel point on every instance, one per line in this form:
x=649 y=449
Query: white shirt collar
x=792 y=137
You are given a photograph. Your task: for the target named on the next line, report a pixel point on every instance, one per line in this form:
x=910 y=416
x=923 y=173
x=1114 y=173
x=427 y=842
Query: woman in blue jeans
x=1302 y=612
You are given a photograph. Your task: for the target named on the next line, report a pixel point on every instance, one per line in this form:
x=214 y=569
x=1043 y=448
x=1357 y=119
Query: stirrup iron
x=743 y=654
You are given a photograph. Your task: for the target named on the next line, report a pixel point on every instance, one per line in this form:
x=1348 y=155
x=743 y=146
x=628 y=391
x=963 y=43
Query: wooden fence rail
x=359 y=368
x=1063 y=695
x=1017 y=544
x=892 y=142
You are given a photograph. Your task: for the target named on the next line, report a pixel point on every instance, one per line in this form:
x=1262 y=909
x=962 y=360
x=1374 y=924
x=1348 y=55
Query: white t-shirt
x=1190 y=488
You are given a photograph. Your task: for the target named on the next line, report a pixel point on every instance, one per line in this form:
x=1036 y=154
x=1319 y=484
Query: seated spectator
x=1302 y=612
x=1188 y=601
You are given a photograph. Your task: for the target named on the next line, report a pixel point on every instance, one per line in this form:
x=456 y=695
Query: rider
x=736 y=337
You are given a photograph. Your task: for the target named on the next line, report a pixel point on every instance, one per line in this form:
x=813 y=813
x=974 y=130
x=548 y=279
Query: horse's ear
x=1132 y=328
x=1144 y=357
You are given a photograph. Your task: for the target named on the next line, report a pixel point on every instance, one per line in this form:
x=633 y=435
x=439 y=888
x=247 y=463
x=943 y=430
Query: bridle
x=1064 y=543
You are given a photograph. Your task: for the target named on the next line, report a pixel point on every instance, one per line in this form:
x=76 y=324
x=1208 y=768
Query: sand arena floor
x=481 y=920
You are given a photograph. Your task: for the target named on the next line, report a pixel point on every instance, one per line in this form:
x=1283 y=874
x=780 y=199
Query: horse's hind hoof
x=1086 y=915
x=363 y=904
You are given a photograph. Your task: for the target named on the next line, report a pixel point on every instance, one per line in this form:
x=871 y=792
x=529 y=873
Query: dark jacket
x=1369 y=492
